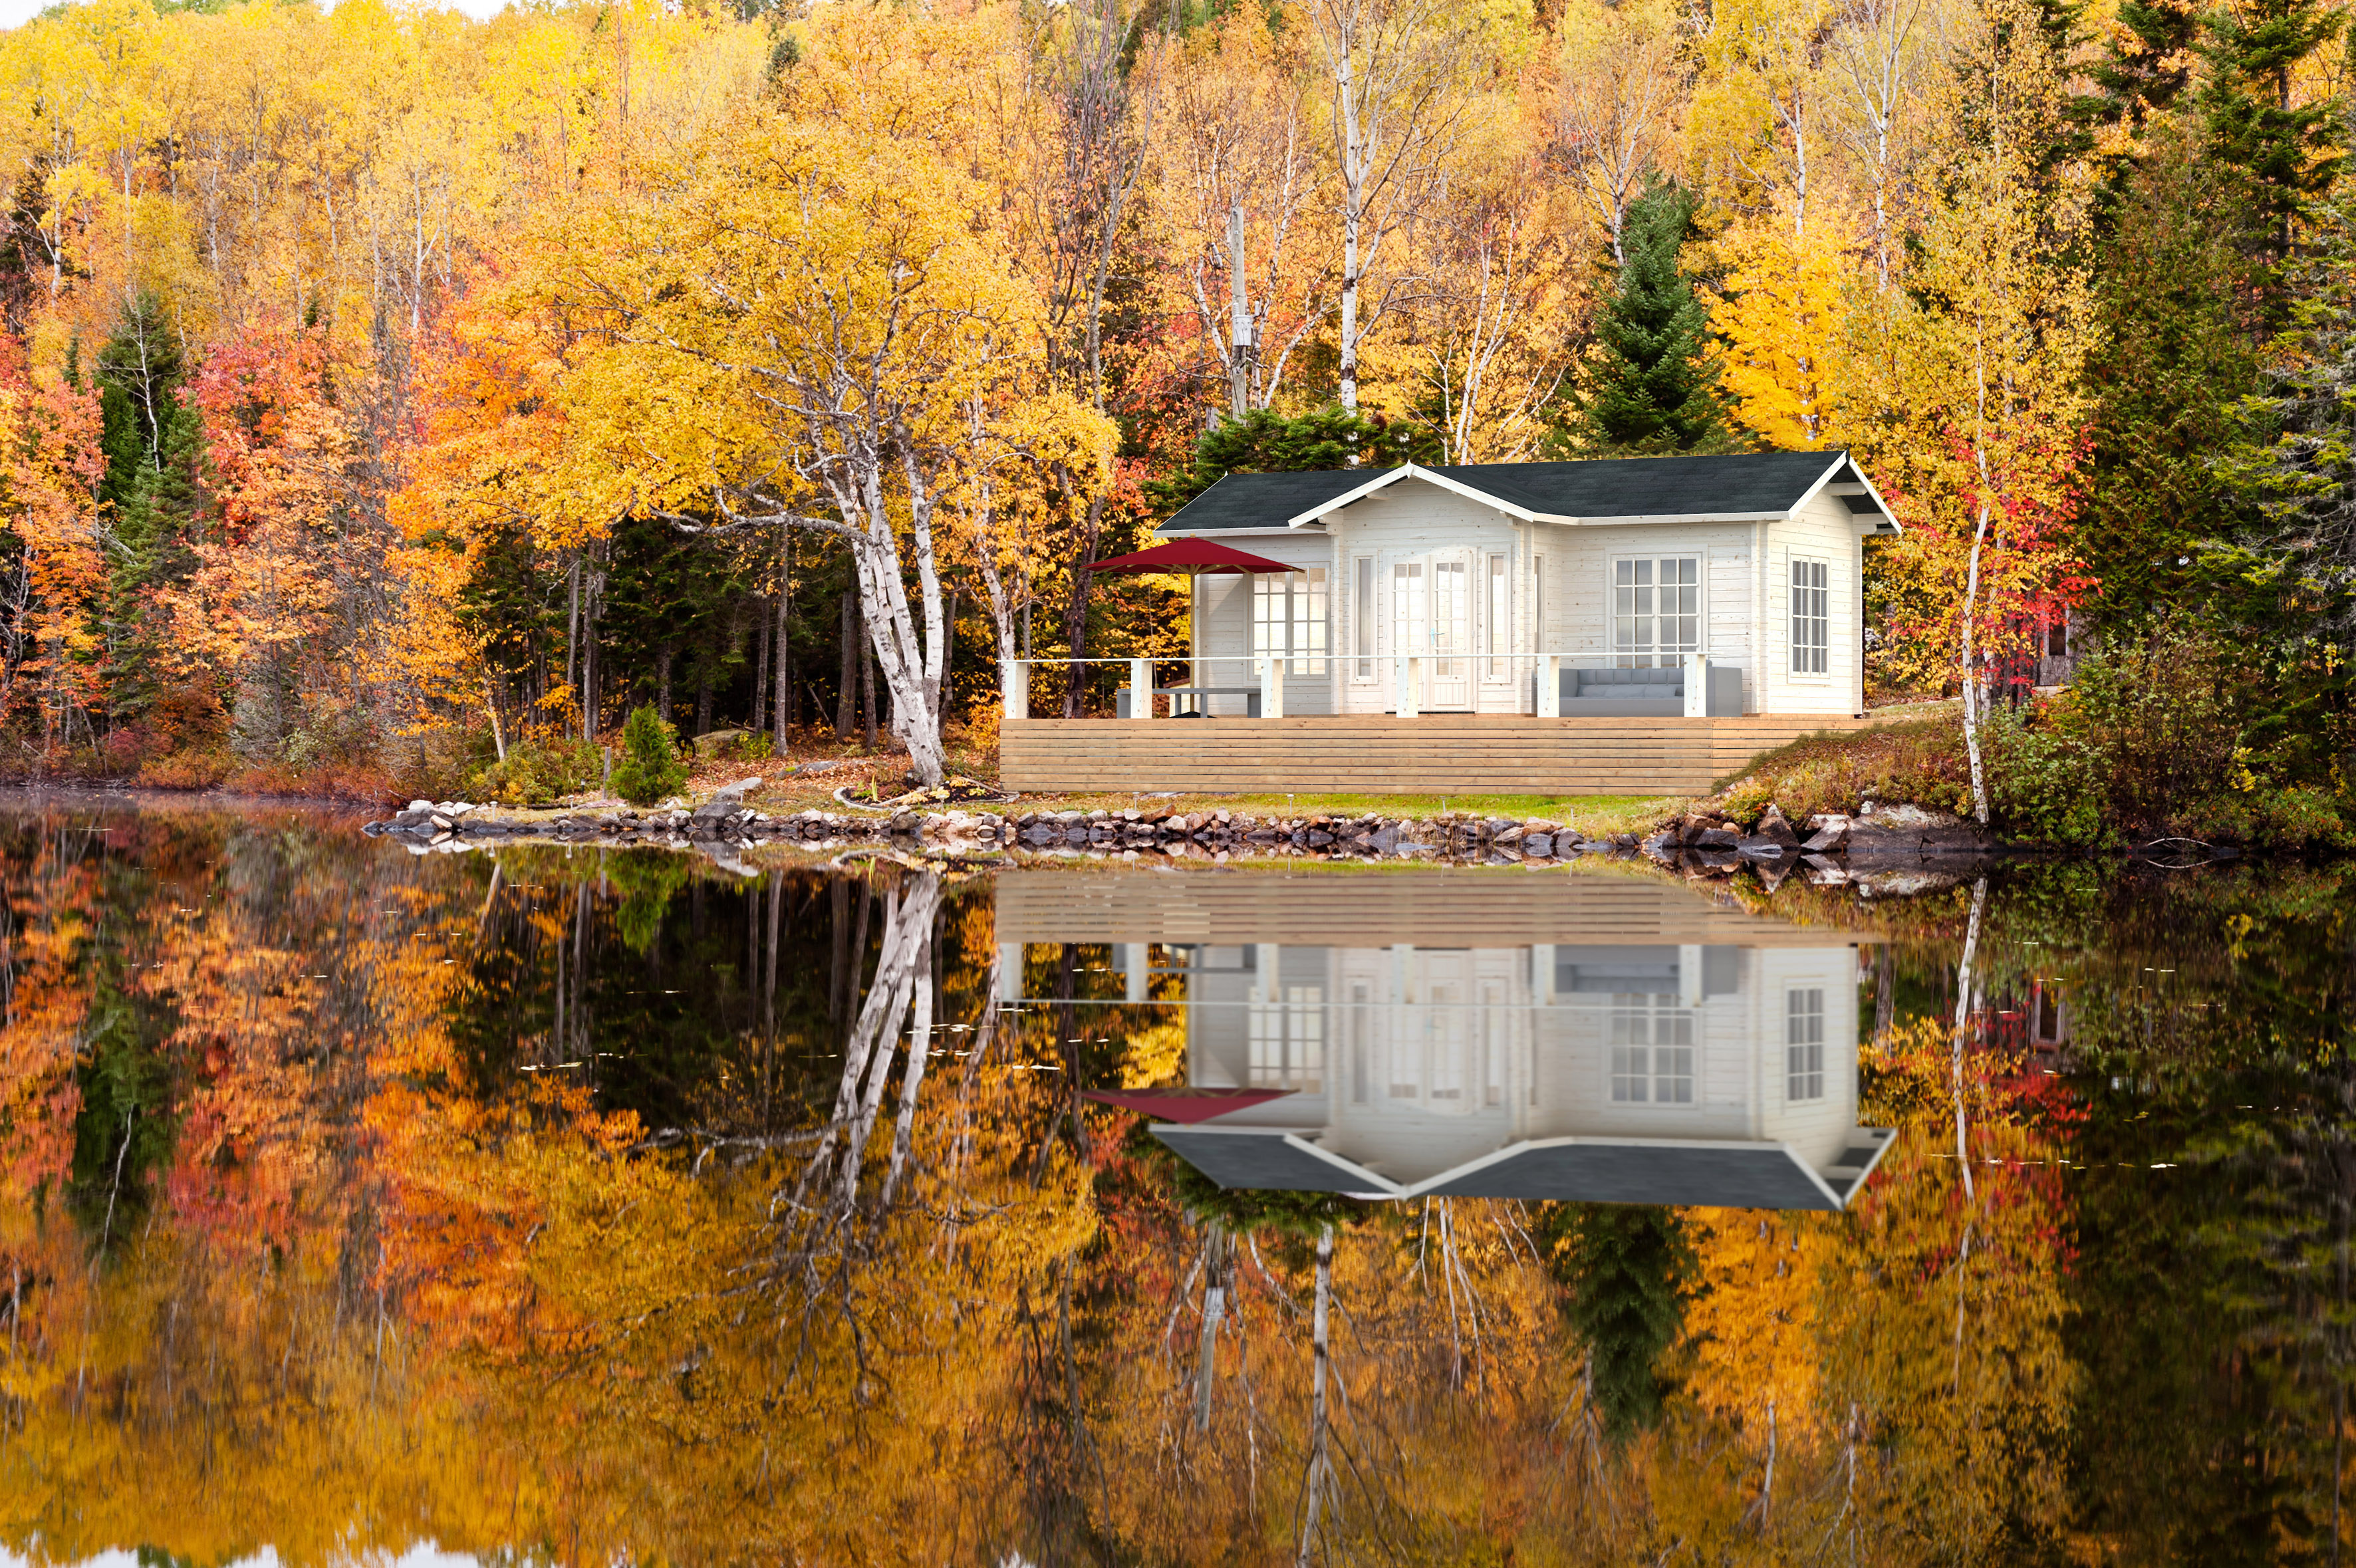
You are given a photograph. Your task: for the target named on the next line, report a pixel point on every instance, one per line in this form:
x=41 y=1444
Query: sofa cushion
x=1646 y=683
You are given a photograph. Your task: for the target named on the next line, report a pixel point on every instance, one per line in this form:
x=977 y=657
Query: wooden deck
x=1604 y=904
x=1466 y=754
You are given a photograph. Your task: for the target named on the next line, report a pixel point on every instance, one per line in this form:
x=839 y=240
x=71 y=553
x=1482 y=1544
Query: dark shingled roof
x=1682 y=1173
x=1686 y=1176
x=1264 y=1158
x=1746 y=482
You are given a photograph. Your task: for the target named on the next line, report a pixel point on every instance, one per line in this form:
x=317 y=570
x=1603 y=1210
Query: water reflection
x=1586 y=1039
x=597 y=1208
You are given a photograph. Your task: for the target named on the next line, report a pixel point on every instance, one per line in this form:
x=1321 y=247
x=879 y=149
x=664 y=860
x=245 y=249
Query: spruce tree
x=2284 y=156
x=153 y=439
x=1651 y=388
x=2176 y=346
x=649 y=766
x=1627 y=1270
x=1267 y=442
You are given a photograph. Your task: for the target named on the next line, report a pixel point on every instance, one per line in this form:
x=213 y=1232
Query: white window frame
x=1649 y=1051
x=1804 y=1043
x=1627 y=657
x=1804 y=660
x=1365 y=620
x=1497 y=630
x=1290 y=619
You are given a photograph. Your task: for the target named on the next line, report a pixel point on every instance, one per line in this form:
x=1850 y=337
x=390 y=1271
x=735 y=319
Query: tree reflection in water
x=607 y=1207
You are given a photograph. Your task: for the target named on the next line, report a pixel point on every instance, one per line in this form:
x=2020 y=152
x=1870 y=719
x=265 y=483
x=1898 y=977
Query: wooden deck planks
x=1439 y=753
x=1595 y=905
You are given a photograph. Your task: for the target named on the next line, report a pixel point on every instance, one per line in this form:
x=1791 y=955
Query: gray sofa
x=1646 y=693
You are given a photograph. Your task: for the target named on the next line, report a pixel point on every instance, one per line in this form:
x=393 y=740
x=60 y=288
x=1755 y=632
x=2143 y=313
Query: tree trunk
x=1076 y=613
x=846 y=707
x=703 y=693
x=593 y=598
x=789 y=704
x=1975 y=693
x=662 y=682
x=1216 y=1272
x=867 y=690
x=759 y=720
x=1320 y=1362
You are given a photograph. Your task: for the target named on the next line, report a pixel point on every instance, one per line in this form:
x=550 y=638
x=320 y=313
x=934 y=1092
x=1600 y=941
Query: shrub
x=2043 y=783
x=649 y=766
x=538 y=769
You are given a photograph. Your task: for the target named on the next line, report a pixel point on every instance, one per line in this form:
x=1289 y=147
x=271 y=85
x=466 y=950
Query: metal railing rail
x=1411 y=683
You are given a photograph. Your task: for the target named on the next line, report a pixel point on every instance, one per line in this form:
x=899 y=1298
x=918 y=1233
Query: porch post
x=1271 y=687
x=1141 y=688
x=1697 y=686
x=1550 y=686
x=1409 y=681
x=1014 y=687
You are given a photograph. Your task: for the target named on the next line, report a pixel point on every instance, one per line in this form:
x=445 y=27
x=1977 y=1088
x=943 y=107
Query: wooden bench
x=1251 y=693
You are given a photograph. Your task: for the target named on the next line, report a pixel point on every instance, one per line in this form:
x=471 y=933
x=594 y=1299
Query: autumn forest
x=383 y=392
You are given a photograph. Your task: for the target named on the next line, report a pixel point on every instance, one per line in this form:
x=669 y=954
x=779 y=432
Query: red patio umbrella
x=1196 y=556
x=1185 y=1104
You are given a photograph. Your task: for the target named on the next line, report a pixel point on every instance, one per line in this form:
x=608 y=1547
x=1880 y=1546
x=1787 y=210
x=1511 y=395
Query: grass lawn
x=1590 y=814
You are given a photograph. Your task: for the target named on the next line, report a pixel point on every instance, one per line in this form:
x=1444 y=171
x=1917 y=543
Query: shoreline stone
x=453 y=826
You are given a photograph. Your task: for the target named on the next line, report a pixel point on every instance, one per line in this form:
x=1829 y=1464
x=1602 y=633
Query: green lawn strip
x=1590 y=814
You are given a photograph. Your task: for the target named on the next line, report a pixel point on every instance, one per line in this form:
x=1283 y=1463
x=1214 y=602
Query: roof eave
x=1272 y=530
x=1648 y=518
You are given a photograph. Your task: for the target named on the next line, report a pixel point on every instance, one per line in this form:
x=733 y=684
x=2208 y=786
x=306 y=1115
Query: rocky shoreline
x=1702 y=843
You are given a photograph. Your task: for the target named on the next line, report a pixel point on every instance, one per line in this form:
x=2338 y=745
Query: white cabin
x=1462 y=586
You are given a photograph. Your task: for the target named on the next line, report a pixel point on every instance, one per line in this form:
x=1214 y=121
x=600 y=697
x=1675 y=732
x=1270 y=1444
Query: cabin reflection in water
x=1585 y=1035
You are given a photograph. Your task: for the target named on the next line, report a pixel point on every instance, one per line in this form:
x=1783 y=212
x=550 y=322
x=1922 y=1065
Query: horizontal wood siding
x=1438 y=752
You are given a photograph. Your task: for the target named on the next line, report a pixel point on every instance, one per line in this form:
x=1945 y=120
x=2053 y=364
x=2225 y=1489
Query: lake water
x=597 y=1207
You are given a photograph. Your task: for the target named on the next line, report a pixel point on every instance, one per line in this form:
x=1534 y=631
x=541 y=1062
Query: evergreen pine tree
x=1626 y=1270
x=649 y=768
x=2284 y=156
x=2176 y=347
x=153 y=441
x=1267 y=442
x=1652 y=388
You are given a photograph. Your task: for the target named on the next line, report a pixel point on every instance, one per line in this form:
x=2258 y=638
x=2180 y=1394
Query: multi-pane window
x=1812 y=626
x=1362 y=615
x=1652 y=1050
x=1655 y=610
x=1289 y=618
x=1362 y=1034
x=1285 y=1033
x=1500 y=621
x=1411 y=609
x=1804 y=1043
x=1452 y=614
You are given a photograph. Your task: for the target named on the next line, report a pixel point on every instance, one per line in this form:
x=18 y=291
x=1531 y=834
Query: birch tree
x=1614 y=117
x=1397 y=102
x=801 y=321
x=1240 y=183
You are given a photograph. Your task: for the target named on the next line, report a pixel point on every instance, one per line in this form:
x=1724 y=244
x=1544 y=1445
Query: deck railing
x=1539 y=693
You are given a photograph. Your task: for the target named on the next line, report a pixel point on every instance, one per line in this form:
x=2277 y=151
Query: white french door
x=1432 y=617
x=1452 y=630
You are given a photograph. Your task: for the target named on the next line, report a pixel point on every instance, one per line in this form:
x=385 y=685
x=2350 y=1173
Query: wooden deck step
x=1440 y=753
